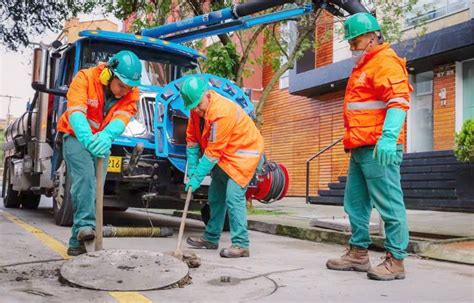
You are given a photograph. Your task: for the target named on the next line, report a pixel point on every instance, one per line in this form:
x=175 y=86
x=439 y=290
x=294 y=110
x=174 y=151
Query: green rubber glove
x=81 y=128
x=192 y=155
x=385 y=151
x=102 y=144
x=203 y=169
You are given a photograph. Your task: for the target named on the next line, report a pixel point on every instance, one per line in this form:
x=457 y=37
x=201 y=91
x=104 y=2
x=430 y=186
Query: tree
x=225 y=60
x=23 y=20
x=391 y=19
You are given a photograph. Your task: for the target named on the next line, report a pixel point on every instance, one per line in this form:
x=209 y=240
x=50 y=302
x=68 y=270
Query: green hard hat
x=127 y=67
x=192 y=91
x=359 y=24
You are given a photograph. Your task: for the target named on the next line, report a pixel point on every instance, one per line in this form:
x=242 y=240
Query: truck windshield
x=159 y=67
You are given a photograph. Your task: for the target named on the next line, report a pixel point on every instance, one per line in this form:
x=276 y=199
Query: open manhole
x=124 y=270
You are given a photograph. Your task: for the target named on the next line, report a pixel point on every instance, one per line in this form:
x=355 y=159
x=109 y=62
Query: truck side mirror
x=39 y=81
x=40 y=66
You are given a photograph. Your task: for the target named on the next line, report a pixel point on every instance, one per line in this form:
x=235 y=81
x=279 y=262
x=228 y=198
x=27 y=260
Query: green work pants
x=225 y=194
x=370 y=184
x=80 y=166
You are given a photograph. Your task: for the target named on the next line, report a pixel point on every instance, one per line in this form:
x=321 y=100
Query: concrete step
x=342 y=179
x=408 y=193
x=410 y=203
x=424 y=184
x=429 y=161
x=431 y=154
x=429 y=176
x=337 y=185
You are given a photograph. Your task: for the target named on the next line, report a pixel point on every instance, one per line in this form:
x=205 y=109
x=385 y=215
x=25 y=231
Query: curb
x=416 y=245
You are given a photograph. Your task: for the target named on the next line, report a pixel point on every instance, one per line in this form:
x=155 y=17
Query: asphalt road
x=279 y=269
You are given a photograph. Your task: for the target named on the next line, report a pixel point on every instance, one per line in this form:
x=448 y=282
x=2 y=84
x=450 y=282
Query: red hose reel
x=270 y=184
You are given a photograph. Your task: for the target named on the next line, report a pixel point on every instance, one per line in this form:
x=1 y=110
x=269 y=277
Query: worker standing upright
x=232 y=148
x=375 y=104
x=100 y=102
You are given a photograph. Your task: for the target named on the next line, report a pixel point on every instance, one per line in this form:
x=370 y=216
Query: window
x=159 y=68
x=420 y=115
x=70 y=56
x=468 y=89
x=427 y=10
x=289 y=33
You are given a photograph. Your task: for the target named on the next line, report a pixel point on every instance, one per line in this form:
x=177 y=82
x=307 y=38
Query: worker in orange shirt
x=231 y=147
x=100 y=102
x=375 y=104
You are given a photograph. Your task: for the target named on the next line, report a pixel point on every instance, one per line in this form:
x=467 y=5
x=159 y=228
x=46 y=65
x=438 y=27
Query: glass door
x=468 y=89
x=420 y=115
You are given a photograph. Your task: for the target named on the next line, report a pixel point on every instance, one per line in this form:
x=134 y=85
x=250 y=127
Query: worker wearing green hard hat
x=230 y=145
x=360 y=24
x=192 y=91
x=100 y=102
x=375 y=104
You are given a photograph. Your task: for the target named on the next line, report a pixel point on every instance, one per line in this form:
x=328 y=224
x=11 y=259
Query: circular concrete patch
x=124 y=270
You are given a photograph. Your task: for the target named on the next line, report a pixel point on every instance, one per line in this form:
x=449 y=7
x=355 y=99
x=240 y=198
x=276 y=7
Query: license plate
x=115 y=164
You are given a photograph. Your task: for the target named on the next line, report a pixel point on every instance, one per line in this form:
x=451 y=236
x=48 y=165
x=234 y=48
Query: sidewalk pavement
x=433 y=234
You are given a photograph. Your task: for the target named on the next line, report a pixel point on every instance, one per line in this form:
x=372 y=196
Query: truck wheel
x=11 y=199
x=15 y=199
x=62 y=204
x=206 y=215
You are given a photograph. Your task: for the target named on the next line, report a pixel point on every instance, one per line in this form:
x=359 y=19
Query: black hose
x=278 y=182
x=352 y=7
x=255 y=6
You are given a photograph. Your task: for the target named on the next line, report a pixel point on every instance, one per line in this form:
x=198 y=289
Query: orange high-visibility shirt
x=86 y=94
x=229 y=136
x=377 y=83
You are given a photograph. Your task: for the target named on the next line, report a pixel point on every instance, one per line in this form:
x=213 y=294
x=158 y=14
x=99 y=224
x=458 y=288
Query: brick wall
x=324 y=35
x=444 y=111
x=297 y=127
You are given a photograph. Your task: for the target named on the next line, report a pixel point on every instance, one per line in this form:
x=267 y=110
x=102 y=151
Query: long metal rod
x=99 y=200
x=311 y=159
x=183 y=219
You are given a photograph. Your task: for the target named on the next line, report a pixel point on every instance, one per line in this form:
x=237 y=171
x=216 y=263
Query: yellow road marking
x=129 y=297
x=59 y=248
x=54 y=244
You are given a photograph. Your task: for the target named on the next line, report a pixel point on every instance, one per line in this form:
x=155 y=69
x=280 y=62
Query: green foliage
x=23 y=20
x=464 y=150
x=221 y=60
x=146 y=13
x=392 y=21
x=265 y=212
x=220 y=4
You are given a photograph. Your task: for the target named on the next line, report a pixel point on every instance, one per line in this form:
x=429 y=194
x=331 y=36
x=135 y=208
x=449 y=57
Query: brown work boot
x=389 y=269
x=201 y=243
x=85 y=234
x=353 y=259
x=76 y=251
x=234 y=252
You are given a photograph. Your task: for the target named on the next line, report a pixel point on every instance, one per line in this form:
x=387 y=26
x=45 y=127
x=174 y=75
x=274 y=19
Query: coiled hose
x=278 y=182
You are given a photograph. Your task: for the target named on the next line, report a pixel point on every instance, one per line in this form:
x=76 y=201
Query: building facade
x=304 y=113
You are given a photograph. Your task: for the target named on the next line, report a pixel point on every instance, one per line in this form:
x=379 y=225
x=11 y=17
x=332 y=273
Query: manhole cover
x=121 y=270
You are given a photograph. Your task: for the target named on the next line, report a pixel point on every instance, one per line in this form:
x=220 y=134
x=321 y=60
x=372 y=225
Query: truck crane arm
x=239 y=17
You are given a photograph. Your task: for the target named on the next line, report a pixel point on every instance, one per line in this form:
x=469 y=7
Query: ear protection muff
x=106 y=75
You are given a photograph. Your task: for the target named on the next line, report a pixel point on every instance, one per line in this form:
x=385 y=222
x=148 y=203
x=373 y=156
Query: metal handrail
x=314 y=157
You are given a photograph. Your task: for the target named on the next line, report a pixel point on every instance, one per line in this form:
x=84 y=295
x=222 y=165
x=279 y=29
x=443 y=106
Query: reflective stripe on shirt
x=93 y=123
x=366 y=105
x=247 y=152
x=402 y=101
